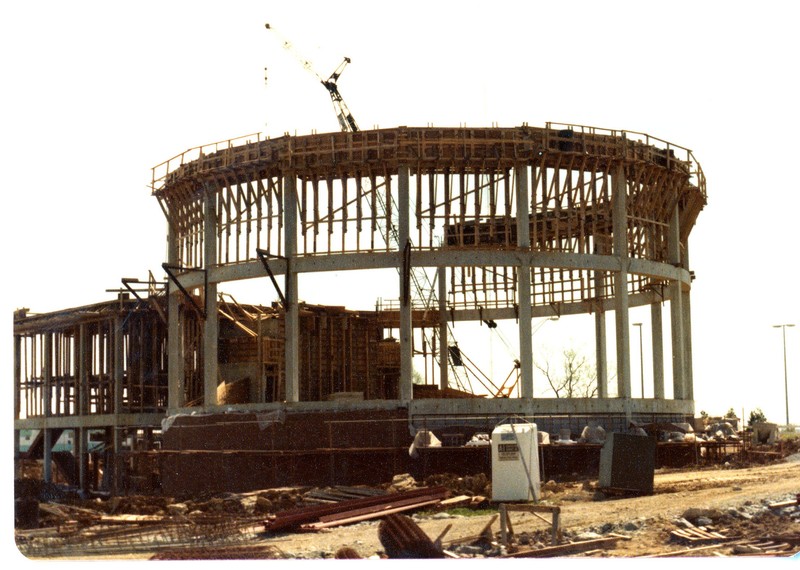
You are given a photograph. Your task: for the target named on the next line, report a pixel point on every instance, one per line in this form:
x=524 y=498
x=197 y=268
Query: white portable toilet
x=515 y=463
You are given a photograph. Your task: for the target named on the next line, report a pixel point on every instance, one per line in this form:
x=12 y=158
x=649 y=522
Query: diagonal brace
x=264 y=256
x=168 y=268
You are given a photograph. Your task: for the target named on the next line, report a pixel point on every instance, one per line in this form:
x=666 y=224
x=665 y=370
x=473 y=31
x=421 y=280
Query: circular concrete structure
x=481 y=224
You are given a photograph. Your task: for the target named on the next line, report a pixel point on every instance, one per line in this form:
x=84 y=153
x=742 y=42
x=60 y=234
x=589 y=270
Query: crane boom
x=419 y=278
x=346 y=120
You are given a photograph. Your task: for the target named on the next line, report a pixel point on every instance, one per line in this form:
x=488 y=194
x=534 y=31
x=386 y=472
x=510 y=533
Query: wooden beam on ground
x=562 y=549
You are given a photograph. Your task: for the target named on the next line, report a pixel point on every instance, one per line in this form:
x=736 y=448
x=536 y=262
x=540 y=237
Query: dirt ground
x=651 y=518
x=734 y=500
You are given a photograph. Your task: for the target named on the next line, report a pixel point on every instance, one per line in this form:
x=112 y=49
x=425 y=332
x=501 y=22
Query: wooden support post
x=506 y=529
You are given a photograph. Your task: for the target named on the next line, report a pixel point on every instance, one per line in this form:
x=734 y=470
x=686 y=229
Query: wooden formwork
x=463 y=196
x=343 y=352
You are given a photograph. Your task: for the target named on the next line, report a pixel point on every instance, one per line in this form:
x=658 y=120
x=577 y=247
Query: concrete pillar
x=524 y=282
x=175 y=364
x=620 y=229
x=444 y=354
x=119 y=378
x=686 y=305
x=406 y=332
x=82 y=372
x=292 y=316
x=676 y=311
x=119 y=364
x=48 y=374
x=47 y=455
x=601 y=353
x=48 y=435
x=81 y=445
x=17 y=378
x=657 y=326
x=211 y=323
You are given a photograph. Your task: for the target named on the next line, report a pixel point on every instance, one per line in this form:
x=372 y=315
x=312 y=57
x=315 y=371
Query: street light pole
x=785 y=371
x=641 y=355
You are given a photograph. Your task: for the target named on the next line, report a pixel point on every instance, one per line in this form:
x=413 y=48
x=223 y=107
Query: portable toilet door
x=515 y=463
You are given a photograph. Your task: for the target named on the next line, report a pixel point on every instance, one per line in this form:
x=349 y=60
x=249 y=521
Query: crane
x=343 y=114
x=420 y=280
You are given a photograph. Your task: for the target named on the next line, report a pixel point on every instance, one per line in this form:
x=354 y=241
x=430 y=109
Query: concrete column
x=211 y=323
x=119 y=379
x=524 y=282
x=686 y=305
x=47 y=455
x=116 y=459
x=406 y=332
x=119 y=364
x=620 y=228
x=48 y=435
x=657 y=326
x=81 y=445
x=444 y=354
x=601 y=352
x=175 y=364
x=82 y=371
x=48 y=374
x=17 y=378
x=17 y=398
x=292 y=316
x=676 y=311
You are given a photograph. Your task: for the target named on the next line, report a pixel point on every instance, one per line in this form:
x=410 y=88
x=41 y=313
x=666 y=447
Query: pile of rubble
x=230 y=526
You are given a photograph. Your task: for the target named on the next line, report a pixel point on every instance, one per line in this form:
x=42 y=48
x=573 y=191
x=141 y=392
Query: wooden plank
x=368 y=516
x=562 y=549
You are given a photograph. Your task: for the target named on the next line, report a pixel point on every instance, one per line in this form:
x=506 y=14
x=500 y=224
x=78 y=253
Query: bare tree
x=577 y=379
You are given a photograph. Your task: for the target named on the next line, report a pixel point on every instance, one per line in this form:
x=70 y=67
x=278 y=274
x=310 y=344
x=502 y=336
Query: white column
x=211 y=323
x=524 y=283
x=657 y=326
x=676 y=311
x=620 y=225
x=292 y=324
x=406 y=331
x=686 y=305
x=601 y=354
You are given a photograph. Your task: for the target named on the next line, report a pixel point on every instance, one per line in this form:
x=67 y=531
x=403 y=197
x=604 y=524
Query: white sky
x=96 y=93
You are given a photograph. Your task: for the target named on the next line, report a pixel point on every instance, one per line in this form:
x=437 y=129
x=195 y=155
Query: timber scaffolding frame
x=480 y=223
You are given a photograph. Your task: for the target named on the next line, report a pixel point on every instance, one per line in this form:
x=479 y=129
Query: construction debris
x=259 y=552
x=402 y=538
x=347 y=553
x=569 y=548
x=354 y=510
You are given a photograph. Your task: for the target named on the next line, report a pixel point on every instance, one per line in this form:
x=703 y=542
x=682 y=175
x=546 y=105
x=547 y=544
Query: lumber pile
x=354 y=510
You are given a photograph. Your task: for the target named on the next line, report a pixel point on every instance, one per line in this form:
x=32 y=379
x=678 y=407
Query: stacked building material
x=354 y=510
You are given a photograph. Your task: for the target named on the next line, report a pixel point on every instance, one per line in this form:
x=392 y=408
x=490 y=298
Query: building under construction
x=190 y=390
